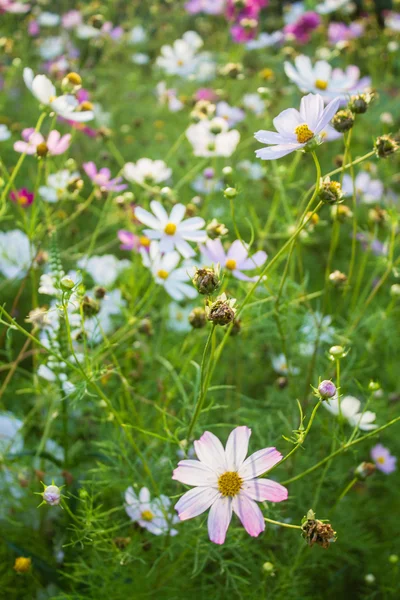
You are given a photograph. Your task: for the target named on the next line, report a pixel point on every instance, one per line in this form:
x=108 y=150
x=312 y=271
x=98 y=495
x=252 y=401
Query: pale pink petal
x=265 y=489
x=53 y=139
x=249 y=514
x=237 y=251
x=195 y=502
x=236 y=447
x=257 y=260
x=219 y=517
x=214 y=251
x=259 y=462
x=327 y=115
x=194 y=472
x=211 y=452
x=90 y=169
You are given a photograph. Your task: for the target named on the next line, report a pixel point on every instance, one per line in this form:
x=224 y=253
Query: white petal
x=236 y=447
x=219 y=517
x=195 y=502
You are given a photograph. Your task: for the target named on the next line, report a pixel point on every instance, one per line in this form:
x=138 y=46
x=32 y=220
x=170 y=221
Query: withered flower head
x=317 y=532
x=221 y=311
x=206 y=280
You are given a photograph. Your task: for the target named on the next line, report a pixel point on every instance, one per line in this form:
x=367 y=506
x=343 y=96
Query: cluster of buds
x=338 y=279
x=216 y=230
x=206 y=280
x=330 y=192
x=317 y=532
x=221 y=311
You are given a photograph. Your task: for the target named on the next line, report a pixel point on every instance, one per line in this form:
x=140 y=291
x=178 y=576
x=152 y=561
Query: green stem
x=282 y=524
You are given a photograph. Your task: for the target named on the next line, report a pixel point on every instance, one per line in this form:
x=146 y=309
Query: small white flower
x=10 y=433
x=349 y=408
x=65 y=106
x=315 y=327
x=253 y=170
x=323 y=80
x=147 y=171
x=48 y=19
x=5 y=133
x=56 y=185
x=51 y=47
x=265 y=40
x=140 y=58
x=137 y=35
x=212 y=138
x=231 y=114
x=178 y=317
x=154 y=515
x=370 y=190
x=183 y=58
x=296 y=129
x=165 y=273
x=281 y=366
x=16 y=253
x=105 y=269
x=328 y=6
x=168 y=96
x=254 y=103
x=172 y=230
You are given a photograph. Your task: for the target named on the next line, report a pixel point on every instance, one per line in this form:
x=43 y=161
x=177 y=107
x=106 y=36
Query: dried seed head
x=90 y=306
x=221 y=311
x=42 y=150
x=359 y=104
x=337 y=278
x=330 y=192
x=343 y=120
x=206 y=280
x=364 y=470
x=385 y=145
x=317 y=532
x=197 y=318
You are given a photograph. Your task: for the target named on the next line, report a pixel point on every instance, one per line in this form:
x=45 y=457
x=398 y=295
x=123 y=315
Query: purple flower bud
x=327 y=389
x=52 y=495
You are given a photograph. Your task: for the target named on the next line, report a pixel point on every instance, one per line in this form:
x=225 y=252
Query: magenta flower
x=225 y=482
x=131 y=241
x=303 y=27
x=384 y=461
x=236 y=259
x=22 y=197
x=206 y=94
x=102 y=178
x=33 y=142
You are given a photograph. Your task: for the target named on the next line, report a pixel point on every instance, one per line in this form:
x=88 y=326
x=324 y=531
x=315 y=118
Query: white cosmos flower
x=65 y=106
x=295 y=129
x=178 y=317
x=231 y=114
x=171 y=230
x=153 y=515
x=349 y=408
x=165 y=273
x=183 y=58
x=5 y=133
x=137 y=35
x=147 y=171
x=253 y=170
x=328 y=6
x=10 y=433
x=48 y=19
x=370 y=190
x=265 y=40
x=56 y=185
x=105 y=269
x=322 y=79
x=168 y=96
x=254 y=103
x=212 y=138
x=16 y=253
x=281 y=366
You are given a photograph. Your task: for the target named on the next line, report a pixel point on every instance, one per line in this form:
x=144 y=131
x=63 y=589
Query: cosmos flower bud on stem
x=206 y=280
x=22 y=564
x=167 y=194
x=326 y=389
x=90 y=306
x=216 y=230
x=343 y=120
x=337 y=278
x=395 y=290
x=230 y=193
x=364 y=470
x=269 y=569
x=330 y=192
x=71 y=83
x=337 y=352
x=232 y=70
x=221 y=311
x=67 y=284
x=317 y=532
x=385 y=145
x=52 y=495
x=227 y=173
x=359 y=104
x=197 y=318
x=146 y=327
x=42 y=150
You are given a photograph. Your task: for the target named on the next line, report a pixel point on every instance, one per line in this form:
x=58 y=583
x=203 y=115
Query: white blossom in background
x=147 y=171
x=368 y=189
x=254 y=103
x=178 y=317
x=329 y=6
x=349 y=408
x=11 y=439
x=231 y=114
x=212 y=138
x=5 y=133
x=253 y=170
x=315 y=327
x=265 y=40
x=16 y=253
x=282 y=367
x=151 y=514
x=137 y=35
x=184 y=59
x=168 y=96
x=104 y=270
x=56 y=187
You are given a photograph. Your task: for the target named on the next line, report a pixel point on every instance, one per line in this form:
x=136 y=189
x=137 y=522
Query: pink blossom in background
x=102 y=178
x=14 y=7
x=210 y=7
x=206 y=94
x=33 y=28
x=31 y=139
x=22 y=197
x=340 y=32
x=71 y=19
x=131 y=241
x=303 y=27
x=384 y=461
x=114 y=32
x=245 y=19
x=235 y=260
x=226 y=482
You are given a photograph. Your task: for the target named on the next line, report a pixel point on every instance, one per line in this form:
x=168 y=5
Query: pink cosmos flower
x=384 y=461
x=206 y=94
x=303 y=27
x=102 y=178
x=210 y=7
x=14 y=7
x=33 y=28
x=340 y=32
x=224 y=482
x=71 y=19
x=22 y=197
x=236 y=259
x=131 y=241
x=55 y=143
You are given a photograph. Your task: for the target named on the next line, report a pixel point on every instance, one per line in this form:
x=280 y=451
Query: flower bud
x=385 y=146
x=96 y=21
x=90 y=307
x=393 y=558
x=197 y=318
x=317 y=532
x=337 y=278
x=71 y=83
x=378 y=215
x=269 y=568
x=230 y=193
x=166 y=193
x=99 y=292
x=359 y=104
x=364 y=470
x=232 y=70
x=206 y=280
x=146 y=327
x=327 y=389
x=67 y=284
x=330 y=192
x=42 y=150
x=374 y=386
x=395 y=290
x=221 y=311
x=369 y=578
x=341 y=212
x=216 y=230
x=22 y=564
x=343 y=120
x=52 y=495
x=227 y=173
x=337 y=352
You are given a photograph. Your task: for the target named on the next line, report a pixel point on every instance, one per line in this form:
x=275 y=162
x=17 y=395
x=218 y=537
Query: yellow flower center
x=380 y=460
x=147 y=515
x=163 y=274
x=229 y=483
x=170 y=228
x=321 y=84
x=144 y=241
x=304 y=133
x=230 y=264
x=22 y=564
x=52 y=98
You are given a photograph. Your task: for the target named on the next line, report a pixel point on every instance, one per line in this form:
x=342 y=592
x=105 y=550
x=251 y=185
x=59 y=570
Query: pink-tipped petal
x=219 y=517
x=236 y=447
x=195 y=502
x=90 y=169
x=193 y=472
x=265 y=489
x=211 y=452
x=249 y=514
x=259 y=462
